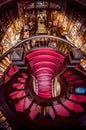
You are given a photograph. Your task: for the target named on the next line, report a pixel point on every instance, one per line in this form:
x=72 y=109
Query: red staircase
x=44 y=65
x=45 y=62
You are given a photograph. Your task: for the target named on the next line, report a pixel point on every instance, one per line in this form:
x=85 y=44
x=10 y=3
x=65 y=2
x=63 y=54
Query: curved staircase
x=44 y=65
x=43 y=94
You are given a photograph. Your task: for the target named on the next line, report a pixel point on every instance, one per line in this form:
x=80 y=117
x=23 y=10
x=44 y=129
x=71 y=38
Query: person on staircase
x=39 y=112
x=46 y=115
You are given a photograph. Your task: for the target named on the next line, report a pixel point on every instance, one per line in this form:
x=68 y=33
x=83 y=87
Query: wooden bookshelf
x=7 y=17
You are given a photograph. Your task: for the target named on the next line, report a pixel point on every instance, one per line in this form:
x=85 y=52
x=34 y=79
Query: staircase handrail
x=33 y=37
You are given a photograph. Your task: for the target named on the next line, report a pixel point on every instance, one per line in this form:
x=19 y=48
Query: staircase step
x=24 y=75
x=22 y=80
x=17 y=94
x=22 y=104
x=18 y=86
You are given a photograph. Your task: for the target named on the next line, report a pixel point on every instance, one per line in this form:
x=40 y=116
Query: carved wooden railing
x=31 y=43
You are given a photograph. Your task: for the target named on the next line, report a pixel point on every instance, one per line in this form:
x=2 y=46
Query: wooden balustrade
x=33 y=43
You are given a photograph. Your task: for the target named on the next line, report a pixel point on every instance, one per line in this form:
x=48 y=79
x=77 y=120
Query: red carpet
x=44 y=63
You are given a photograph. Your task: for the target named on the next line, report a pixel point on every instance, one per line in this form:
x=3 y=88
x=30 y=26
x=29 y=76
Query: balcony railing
x=40 y=41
